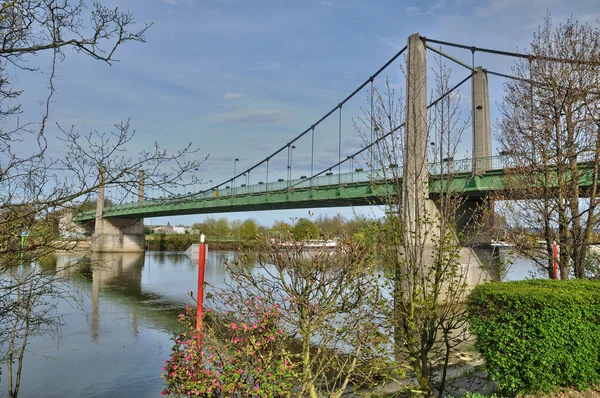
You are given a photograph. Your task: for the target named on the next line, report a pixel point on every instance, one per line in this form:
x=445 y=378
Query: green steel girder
x=351 y=194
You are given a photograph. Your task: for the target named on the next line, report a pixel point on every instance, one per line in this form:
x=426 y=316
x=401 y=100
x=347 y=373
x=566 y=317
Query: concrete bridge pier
x=117 y=235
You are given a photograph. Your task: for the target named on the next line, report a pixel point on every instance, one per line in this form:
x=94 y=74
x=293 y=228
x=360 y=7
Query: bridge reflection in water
x=155 y=285
x=123 y=270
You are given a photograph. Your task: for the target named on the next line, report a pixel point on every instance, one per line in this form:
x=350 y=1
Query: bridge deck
x=331 y=190
x=347 y=189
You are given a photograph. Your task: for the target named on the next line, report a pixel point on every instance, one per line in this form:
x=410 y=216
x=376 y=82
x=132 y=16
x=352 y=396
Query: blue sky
x=238 y=78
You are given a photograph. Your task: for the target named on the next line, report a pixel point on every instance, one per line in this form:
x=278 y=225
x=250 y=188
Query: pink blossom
x=234 y=326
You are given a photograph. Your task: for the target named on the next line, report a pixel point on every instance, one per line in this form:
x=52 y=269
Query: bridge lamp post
x=290 y=151
x=439 y=161
x=233 y=179
x=351 y=167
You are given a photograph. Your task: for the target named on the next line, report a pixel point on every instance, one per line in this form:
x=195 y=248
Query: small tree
x=328 y=301
x=214 y=227
x=280 y=229
x=305 y=229
x=249 y=230
x=334 y=226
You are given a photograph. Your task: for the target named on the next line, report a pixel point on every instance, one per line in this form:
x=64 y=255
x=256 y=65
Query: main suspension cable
x=509 y=53
x=432 y=104
x=350 y=96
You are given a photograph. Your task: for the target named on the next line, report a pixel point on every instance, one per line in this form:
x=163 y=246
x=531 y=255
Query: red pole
x=555 y=255
x=201 y=263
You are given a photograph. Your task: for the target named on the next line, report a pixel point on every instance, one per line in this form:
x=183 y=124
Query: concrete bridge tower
x=416 y=205
x=115 y=235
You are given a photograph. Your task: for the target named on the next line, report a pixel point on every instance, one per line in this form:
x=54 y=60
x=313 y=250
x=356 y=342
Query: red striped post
x=200 y=301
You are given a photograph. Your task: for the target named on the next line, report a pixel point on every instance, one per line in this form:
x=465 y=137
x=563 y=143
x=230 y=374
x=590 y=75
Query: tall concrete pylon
x=141 y=183
x=421 y=214
x=482 y=130
x=101 y=195
x=116 y=235
x=415 y=179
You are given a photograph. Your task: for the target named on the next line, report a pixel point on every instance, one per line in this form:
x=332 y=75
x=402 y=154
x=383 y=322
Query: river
x=117 y=332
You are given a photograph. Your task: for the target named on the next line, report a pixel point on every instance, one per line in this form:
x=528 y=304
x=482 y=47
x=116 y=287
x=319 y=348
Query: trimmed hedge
x=538 y=335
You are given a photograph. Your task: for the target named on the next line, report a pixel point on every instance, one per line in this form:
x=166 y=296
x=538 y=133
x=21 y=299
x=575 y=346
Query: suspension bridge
x=120 y=227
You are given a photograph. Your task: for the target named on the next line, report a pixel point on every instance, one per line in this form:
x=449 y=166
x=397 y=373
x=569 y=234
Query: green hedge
x=538 y=335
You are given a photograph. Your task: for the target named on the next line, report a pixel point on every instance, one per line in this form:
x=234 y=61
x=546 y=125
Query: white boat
x=312 y=244
x=501 y=244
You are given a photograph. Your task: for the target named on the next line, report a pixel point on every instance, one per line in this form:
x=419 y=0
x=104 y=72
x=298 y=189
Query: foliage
x=181 y=242
x=213 y=227
x=244 y=362
x=280 y=229
x=331 y=226
x=305 y=229
x=249 y=230
x=538 y=335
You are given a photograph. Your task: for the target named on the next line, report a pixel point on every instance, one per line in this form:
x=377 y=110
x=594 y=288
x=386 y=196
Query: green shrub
x=538 y=335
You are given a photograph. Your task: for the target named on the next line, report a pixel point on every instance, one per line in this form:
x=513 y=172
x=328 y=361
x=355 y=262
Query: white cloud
x=252 y=116
x=170 y=2
x=233 y=96
x=427 y=10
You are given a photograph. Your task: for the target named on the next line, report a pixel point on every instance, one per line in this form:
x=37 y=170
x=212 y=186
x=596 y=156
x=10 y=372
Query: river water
x=116 y=333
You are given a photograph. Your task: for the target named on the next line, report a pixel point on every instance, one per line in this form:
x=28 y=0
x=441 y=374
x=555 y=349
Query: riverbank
x=160 y=242
x=181 y=242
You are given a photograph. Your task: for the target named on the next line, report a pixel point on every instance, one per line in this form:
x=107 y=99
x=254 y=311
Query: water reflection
x=118 y=328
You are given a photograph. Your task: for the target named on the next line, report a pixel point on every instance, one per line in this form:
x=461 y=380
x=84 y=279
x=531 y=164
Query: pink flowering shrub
x=246 y=360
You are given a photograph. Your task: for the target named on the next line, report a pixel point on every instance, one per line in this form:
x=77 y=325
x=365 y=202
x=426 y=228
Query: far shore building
x=169 y=229
x=165 y=229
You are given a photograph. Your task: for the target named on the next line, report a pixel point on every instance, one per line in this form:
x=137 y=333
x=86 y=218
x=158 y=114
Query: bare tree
x=34 y=186
x=420 y=248
x=550 y=130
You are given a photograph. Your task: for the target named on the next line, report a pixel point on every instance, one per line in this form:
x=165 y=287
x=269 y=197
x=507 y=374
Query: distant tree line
x=322 y=227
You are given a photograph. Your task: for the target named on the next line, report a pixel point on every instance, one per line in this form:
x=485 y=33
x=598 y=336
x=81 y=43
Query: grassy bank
x=181 y=242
